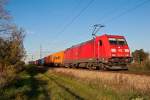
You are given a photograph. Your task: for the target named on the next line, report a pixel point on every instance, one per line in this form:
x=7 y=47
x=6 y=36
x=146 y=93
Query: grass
x=139 y=82
x=80 y=90
x=125 y=86
x=25 y=87
x=100 y=90
x=143 y=67
x=40 y=84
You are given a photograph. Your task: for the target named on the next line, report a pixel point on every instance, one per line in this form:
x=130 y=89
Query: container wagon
x=57 y=58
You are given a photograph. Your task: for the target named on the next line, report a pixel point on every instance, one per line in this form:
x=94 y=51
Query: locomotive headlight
x=113 y=50
x=127 y=54
x=113 y=55
x=126 y=50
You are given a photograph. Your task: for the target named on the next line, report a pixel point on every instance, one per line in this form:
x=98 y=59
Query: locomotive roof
x=117 y=36
x=113 y=36
x=79 y=44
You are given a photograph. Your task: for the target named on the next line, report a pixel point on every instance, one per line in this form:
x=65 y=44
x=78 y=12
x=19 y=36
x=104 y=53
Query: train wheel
x=102 y=66
x=67 y=65
x=91 y=67
x=77 y=65
x=74 y=65
x=88 y=66
x=98 y=68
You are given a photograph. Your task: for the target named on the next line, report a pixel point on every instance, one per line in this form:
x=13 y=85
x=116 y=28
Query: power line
x=107 y=14
x=75 y=17
x=127 y=11
x=72 y=11
x=78 y=15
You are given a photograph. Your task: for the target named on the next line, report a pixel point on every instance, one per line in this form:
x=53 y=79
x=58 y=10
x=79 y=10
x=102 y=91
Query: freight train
x=105 y=52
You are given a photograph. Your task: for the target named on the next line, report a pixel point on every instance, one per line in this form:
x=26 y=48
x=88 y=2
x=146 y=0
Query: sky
x=55 y=25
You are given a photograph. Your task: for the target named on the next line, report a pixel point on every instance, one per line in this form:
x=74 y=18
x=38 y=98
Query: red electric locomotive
x=102 y=52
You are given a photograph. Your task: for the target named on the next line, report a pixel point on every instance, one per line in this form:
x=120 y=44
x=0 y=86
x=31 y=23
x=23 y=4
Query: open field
x=38 y=83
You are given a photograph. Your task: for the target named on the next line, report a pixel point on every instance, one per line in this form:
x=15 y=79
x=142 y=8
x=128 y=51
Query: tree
x=3 y=13
x=140 y=56
x=11 y=39
x=11 y=47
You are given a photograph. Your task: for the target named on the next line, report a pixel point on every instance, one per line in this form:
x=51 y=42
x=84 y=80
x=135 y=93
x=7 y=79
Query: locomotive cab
x=118 y=47
x=113 y=51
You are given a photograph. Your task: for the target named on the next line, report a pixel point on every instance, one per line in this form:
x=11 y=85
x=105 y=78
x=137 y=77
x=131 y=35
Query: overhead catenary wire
x=110 y=20
x=74 y=18
x=78 y=15
x=114 y=10
x=107 y=21
x=73 y=10
x=67 y=17
x=121 y=14
x=127 y=11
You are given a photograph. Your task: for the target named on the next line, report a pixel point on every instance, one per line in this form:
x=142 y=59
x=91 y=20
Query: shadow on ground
x=26 y=86
x=36 y=85
x=66 y=89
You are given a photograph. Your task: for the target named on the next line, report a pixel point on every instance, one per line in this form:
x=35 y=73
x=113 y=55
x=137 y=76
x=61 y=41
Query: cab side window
x=100 y=42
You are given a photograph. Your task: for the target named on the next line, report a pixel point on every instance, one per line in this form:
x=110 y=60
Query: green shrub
x=147 y=65
x=144 y=66
x=7 y=76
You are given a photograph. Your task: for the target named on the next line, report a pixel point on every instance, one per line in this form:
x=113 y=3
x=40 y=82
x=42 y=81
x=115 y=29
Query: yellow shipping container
x=57 y=58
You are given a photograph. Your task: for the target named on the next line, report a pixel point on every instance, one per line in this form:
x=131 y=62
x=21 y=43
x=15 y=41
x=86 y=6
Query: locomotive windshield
x=115 y=41
x=121 y=41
